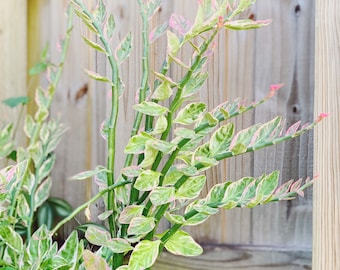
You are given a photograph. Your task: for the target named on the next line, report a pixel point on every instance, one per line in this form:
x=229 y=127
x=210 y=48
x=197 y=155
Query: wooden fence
x=246 y=63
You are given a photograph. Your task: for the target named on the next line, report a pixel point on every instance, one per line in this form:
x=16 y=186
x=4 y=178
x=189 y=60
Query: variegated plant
x=25 y=185
x=163 y=177
x=166 y=156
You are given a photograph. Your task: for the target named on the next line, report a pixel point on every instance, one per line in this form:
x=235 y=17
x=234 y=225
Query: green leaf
x=131 y=171
x=41 y=115
x=97 y=77
x=150 y=154
x=45 y=215
x=191 y=188
x=93 y=261
x=150 y=108
x=194 y=84
x=124 y=49
x=60 y=207
x=234 y=192
x=42 y=193
x=221 y=139
x=44 y=134
x=11 y=238
x=94 y=45
x=99 y=12
x=163 y=146
x=145 y=254
x=105 y=215
x=38 y=68
x=239 y=149
x=206 y=124
x=87 y=21
x=97 y=236
x=158 y=32
x=141 y=225
x=268 y=185
x=242 y=6
x=161 y=125
x=15 y=101
x=89 y=174
x=185 y=133
x=42 y=98
x=136 y=144
x=69 y=250
x=23 y=209
x=216 y=193
x=245 y=24
x=266 y=132
x=175 y=219
x=162 y=195
x=45 y=169
x=130 y=212
x=177 y=171
x=197 y=219
x=205 y=209
x=173 y=43
x=181 y=243
x=163 y=91
x=243 y=138
x=40 y=244
x=190 y=113
x=110 y=26
x=118 y=245
x=151 y=7
x=147 y=180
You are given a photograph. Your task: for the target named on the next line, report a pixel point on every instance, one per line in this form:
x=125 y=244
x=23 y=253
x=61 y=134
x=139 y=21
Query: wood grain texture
x=71 y=101
x=326 y=218
x=13 y=59
x=229 y=258
x=284 y=54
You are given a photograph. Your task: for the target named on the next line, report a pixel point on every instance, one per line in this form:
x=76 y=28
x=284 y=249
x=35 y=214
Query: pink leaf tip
x=220 y=22
x=321 y=116
x=274 y=88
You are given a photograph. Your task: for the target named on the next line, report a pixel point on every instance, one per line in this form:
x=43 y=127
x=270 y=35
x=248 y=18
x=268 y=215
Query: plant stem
x=173 y=107
x=144 y=83
x=112 y=124
x=87 y=204
x=52 y=87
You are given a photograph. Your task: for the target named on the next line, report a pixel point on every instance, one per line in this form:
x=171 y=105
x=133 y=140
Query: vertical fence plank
x=13 y=57
x=326 y=217
x=72 y=101
x=284 y=54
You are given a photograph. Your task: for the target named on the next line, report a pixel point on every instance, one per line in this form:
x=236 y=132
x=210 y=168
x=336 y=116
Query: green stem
x=87 y=204
x=52 y=87
x=144 y=83
x=112 y=124
x=173 y=107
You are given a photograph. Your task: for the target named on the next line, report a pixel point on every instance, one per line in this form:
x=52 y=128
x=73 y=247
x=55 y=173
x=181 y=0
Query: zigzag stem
x=112 y=125
x=175 y=105
x=163 y=208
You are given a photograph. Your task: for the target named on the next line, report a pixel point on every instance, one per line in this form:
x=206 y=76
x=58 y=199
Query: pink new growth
x=274 y=88
x=220 y=21
x=321 y=116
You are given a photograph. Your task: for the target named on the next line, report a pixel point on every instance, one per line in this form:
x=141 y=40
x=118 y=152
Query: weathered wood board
x=230 y=258
x=13 y=59
x=72 y=102
x=326 y=218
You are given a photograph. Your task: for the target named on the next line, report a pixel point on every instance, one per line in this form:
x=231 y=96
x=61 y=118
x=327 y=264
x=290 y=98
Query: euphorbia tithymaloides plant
x=171 y=146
